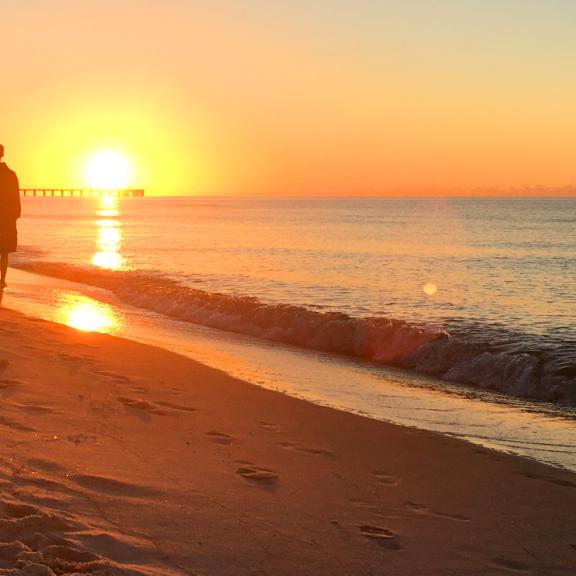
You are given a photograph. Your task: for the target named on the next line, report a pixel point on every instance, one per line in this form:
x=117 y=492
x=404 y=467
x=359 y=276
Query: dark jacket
x=9 y=194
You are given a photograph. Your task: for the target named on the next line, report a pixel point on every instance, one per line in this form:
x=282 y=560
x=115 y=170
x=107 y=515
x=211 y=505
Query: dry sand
x=117 y=458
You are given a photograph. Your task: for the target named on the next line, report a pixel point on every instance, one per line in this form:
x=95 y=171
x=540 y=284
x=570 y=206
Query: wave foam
x=512 y=363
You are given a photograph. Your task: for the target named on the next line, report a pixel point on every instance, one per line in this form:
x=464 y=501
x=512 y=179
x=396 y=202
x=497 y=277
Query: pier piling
x=81 y=192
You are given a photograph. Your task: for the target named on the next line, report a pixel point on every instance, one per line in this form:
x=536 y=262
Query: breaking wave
x=484 y=356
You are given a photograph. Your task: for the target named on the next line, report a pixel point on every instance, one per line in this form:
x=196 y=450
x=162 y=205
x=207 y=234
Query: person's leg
x=3 y=269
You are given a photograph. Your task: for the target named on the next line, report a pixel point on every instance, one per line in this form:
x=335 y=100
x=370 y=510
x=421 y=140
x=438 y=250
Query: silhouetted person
x=9 y=213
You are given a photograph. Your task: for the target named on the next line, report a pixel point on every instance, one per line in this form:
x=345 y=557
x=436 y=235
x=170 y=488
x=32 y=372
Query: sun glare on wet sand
x=84 y=313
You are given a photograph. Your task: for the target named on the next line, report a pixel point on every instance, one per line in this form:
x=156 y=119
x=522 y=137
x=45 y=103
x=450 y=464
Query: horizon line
x=323 y=196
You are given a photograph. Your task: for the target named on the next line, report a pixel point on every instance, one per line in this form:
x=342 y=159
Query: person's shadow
x=1 y=295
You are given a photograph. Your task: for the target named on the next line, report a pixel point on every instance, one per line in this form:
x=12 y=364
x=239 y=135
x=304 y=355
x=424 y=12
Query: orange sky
x=254 y=97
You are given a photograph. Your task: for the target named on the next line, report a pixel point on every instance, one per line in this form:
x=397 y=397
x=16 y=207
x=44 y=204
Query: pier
x=81 y=192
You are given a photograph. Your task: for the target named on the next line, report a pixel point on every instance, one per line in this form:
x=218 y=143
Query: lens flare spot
x=430 y=289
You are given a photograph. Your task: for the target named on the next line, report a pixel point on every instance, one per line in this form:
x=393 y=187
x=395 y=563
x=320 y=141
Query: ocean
x=459 y=298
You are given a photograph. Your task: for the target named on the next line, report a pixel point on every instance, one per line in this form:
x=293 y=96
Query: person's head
x=1 y=151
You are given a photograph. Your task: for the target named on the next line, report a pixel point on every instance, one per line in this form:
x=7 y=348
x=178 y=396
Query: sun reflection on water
x=107 y=213
x=84 y=313
x=109 y=236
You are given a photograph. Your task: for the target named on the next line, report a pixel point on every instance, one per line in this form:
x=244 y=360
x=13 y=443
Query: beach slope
x=118 y=458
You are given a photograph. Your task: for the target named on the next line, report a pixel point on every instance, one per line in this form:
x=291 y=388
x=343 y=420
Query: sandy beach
x=117 y=458
x=287 y=288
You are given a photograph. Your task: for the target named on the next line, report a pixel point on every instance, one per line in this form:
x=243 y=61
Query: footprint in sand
x=318 y=451
x=75 y=357
x=219 y=437
x=513 y=566
x=9 y=387
x=286 y=445
x=8 y=423
x=269 y=427
x=258 y=475
x=122 y=547
x=81 y=438
x=35 y=408
x=7 y=330
x=552 y=480
x=178 y=407
x=420 y=508
x=292 y=446
x=45 y=465
x=143 y=406
x=112 y=487
x=158 y=408
x=10 y=382
x=140 y=404
x=385 y=479
x=359 y=503
x=75 y=362
x=118 y=378
x=383 y=536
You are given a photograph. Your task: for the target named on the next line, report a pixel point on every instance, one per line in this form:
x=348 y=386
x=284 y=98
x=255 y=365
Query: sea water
x=477 y=291
x=435 y=298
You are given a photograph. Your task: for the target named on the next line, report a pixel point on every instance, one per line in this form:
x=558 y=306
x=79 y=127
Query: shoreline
x=421 y=349
x=141 y=461
x=541 y=432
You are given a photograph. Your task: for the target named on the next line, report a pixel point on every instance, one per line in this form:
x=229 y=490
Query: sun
x=108 y=170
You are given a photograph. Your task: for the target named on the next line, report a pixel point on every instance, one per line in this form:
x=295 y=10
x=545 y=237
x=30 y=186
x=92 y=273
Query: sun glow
x=108 y=170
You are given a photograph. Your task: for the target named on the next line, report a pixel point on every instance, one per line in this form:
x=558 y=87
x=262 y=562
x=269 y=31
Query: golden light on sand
x=430 y=289
x=108 y=170
x=84 y=313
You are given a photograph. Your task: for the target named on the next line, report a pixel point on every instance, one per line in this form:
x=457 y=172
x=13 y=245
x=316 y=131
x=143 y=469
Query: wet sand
x=118 y=458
